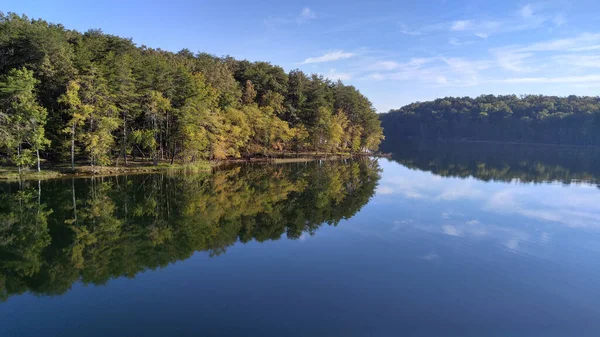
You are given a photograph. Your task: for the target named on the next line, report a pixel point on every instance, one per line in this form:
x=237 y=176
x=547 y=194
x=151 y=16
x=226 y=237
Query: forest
x=58 y=232
x=526 y=119
x=100 y=99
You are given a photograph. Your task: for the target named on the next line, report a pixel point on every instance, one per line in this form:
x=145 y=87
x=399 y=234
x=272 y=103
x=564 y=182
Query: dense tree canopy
x=538 y=119
x=101 y=98
x=93 y=230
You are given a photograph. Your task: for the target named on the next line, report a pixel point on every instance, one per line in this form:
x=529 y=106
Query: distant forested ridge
x=527 y=119
x=66 y=96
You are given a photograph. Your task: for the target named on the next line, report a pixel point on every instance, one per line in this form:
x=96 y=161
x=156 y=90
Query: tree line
x=526 y=119
x=68 y=96
x=60 y=232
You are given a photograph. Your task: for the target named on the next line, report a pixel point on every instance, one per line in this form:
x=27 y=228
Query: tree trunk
x=19 y=157
x=124 y=139
x=160 y=145
x=73 y=147
x=37 y=153
x=172 y=153
x=154 y=151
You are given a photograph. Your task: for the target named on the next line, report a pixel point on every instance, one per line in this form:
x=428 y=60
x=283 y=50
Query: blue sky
x=395 y=52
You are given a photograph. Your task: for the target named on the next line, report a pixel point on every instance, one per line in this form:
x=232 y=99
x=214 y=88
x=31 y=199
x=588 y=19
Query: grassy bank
x=12 y=173
x=82 y=169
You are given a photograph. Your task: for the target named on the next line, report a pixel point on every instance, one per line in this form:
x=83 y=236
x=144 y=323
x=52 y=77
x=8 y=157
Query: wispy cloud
x=568 y=44
x=456 y=42
x=440 y=71
x=461 y=25
x=559 y=20
x=526 y=58
x=526 y=11
x=384 y=65
x=562 y=79
x=329 y=57
x=579 y=61
x=305 y=15
x=406 y=31
x=528 y=17
x=513 y=61
x=333 y=74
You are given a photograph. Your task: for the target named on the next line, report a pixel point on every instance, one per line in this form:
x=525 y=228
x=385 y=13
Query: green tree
x=24 y=119
x=157 y=110
x=77 y=112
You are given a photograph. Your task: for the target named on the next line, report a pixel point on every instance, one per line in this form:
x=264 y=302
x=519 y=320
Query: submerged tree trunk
x=39 y=195
x=74 y=201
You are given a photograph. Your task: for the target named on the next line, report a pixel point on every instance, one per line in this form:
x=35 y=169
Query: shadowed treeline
x=571 y=120
x=59 y=232
x=501 y=162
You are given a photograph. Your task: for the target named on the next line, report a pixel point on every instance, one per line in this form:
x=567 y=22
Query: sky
x=394 y=52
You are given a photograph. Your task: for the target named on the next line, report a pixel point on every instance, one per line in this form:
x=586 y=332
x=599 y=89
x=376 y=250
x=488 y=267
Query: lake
x=455 y=239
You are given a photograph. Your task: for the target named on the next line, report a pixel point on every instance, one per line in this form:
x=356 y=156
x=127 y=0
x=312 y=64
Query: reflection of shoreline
x=96 y=229
x=500 y=161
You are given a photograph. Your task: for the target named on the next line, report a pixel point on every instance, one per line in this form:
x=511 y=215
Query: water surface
x=436 y=242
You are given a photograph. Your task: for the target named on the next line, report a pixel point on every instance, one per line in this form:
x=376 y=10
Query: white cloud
x=513 y=61
x=456 y=42
x=526 y=11
x=540 y=55
x=441 y=80
x=375 y=77
x=334 y=75
x=568 y=44
x=461 y=25
x=384 y=65
x=328 y=57
x=307 y=14
x=559 y=20
x=406 y=31
x=439 y=71
x=561 y=80
x=579 y=61
x=528 y=17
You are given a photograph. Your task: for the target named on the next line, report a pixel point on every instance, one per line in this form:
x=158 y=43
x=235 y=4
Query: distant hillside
x=528 y=119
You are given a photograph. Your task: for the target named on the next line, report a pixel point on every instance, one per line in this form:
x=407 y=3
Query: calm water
x=444 y=240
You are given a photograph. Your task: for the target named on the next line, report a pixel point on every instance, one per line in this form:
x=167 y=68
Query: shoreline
x=140 y=167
